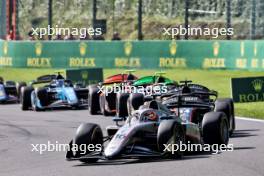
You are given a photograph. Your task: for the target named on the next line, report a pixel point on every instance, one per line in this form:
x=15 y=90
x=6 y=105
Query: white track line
x=250 y=119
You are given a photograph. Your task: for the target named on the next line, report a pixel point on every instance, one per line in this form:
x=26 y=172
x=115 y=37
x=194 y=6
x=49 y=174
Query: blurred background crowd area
x=122 y=17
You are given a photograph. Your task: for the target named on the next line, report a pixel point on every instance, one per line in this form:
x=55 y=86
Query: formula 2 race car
x=56 y=93
x=147 y=133
x=146 y=88
x=10 y=91
x=102 y=97
x=201 y=100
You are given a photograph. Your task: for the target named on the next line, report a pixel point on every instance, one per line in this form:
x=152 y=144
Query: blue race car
x=10 y=91
x=57 y=92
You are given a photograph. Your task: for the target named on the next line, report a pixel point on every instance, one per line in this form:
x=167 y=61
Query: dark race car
x=147 y=133
x=201 y=100
x=145 y=87
x=10 y=91
x=57 y=92
x=102 y=97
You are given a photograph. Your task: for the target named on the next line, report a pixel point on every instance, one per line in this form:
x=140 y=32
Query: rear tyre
x=226 y=105
x=215 y=128
x=135 y=100
x=93 y=100
x=121 y=104
x=25 y=97
x=88 y=133
x=170 y=132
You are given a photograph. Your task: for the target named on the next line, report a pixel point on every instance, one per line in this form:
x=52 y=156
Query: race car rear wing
x=44 y=79
x=197 y=93
x=189 y=99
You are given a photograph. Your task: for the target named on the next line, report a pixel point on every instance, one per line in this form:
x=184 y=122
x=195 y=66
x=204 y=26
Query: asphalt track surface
x=18 y=130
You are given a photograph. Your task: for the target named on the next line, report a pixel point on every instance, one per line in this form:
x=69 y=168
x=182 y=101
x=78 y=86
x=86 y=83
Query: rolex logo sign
x=5 y=48
x=38 y=48
x=128 y=48
x=247 y=89
x=216 y=47
x=82 y=47
x=257 y=85
x=173 y=48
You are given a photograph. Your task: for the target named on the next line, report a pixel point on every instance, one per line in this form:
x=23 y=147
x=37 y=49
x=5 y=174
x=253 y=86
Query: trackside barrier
x=237 y=55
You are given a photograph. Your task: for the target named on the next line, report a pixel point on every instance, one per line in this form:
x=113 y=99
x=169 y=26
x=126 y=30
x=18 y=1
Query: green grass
x=218 y=80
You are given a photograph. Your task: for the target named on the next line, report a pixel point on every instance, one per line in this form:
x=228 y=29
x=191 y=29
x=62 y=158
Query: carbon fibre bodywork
x=107 y=100
x=8 y=94
x=59 y=94
x=138 y=137
x=53 y=91
x=10 y=91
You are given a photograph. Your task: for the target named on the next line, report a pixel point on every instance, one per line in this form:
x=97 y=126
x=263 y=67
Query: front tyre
x=121 y=104
x=25 y=97
x=88 y=133
x=39 y=99
x=135 y=100
x=34 y=102
x=171 y=133
x=19 y=86
x=93 y=100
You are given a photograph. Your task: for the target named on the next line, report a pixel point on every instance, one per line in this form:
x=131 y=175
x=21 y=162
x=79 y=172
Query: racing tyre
x=215 y=128
x=93 y=100
x=102 y=102
x=135 y=100
x=25 y=97
x=42 y=95
x=171 y=133
x=88 y=133
x=19 y=85
x=226 y=105
x=121 y=104
x=34 y=102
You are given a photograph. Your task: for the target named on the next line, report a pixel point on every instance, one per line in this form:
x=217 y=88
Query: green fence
x=134 y=54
